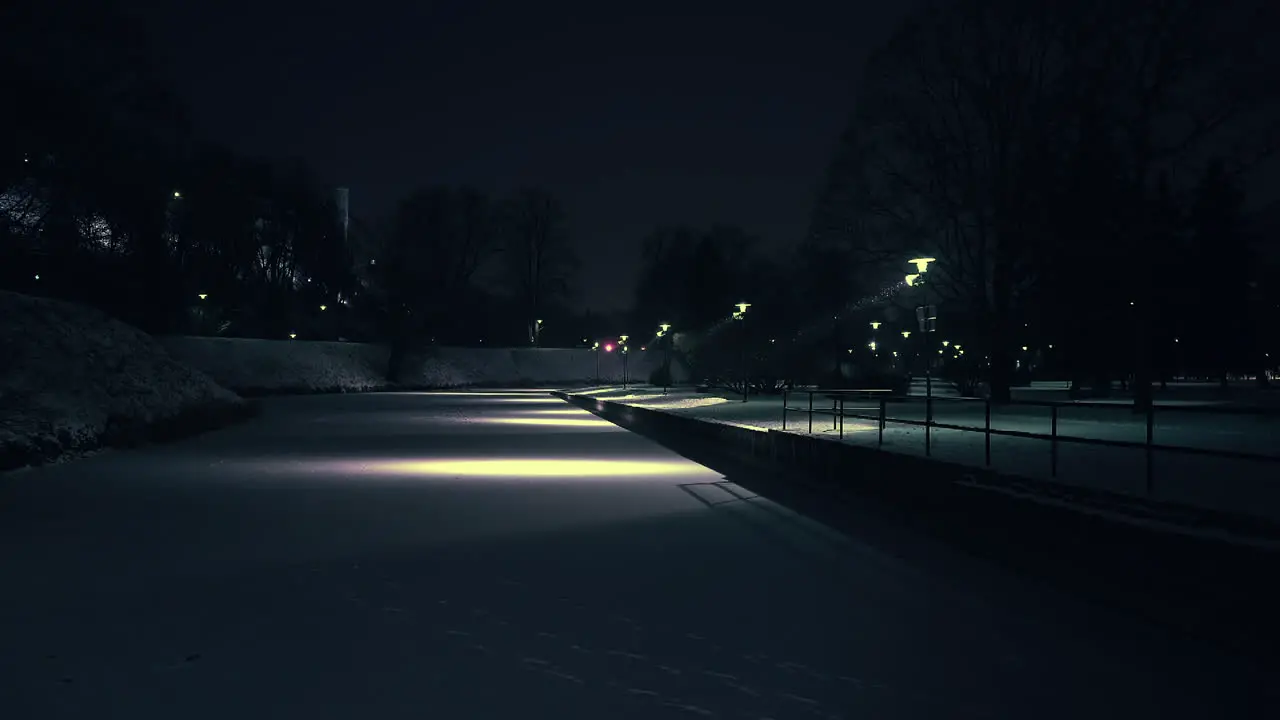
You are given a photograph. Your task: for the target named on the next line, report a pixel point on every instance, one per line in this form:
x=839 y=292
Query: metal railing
x=878 y=401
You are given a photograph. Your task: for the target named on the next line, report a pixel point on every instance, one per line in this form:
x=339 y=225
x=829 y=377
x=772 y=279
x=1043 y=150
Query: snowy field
x=501 y=554
x=1240 y=486
x=291 y=366
x=71 y=379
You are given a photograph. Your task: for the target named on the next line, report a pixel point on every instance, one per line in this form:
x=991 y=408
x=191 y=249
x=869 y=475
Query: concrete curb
x=897 y=474
x=1215 y=587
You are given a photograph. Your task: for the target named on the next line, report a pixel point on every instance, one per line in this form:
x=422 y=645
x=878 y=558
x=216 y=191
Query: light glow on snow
x=678 y=403
x=478 y=393
x=550 y=422
x=533 y=467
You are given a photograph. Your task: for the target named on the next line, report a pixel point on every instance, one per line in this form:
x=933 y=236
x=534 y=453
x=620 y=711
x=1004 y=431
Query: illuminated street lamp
x=741 y=316
x=922 y=263
x=596 y=347
x=177 y=195
x=293 y=336
x=926 y=327
x=622 y=348
x=906 y=334
x=202 y=296
x=323 y=308
x=666 y=374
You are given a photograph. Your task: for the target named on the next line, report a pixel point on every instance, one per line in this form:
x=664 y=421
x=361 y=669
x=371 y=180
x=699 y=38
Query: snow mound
x=256 y=367
x=73 y=379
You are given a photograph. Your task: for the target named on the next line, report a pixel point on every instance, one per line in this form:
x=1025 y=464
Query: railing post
x=784 y=408
x=880 y=440
x=841 y=416
x=810 y=412
x=1053 y=441
x=928 y=424
x=1151 y=432
x=987 y=405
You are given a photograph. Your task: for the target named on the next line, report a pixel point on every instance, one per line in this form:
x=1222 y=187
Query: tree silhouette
x=424 y=261
x=537 y=256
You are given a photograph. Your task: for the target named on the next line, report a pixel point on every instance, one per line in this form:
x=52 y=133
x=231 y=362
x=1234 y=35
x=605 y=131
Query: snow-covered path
x=502 y=554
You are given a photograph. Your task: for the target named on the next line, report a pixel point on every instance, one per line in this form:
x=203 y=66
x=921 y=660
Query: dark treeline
x=1085 y=174
x=1081 y=173
x=108 y=198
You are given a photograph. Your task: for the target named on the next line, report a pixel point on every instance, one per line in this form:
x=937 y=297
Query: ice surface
x=315 y=562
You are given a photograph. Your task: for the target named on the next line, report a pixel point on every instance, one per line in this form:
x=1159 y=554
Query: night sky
x=634 y=115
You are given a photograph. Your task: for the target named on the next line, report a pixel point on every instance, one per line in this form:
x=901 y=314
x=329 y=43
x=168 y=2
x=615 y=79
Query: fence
x=878 y=400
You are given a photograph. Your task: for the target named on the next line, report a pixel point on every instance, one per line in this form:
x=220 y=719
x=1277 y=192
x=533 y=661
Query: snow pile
x=297 y=366
x=253 y=367
x=73 y=379
x=441 y=367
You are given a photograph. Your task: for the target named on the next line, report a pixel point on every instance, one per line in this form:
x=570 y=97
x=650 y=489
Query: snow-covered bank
x=73 y=379
x=256 y=367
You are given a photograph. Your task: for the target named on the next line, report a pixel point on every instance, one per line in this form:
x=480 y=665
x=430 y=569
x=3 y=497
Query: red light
x=608 y=348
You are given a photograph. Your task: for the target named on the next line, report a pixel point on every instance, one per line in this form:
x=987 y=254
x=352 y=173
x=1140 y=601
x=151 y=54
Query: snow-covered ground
x=73 y=379
x=1234 y=485
x=294 y=366
x=476 y=555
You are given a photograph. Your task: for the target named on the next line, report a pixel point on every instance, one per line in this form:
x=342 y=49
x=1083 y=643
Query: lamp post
x=875 y=326
x=537 y=332
x=927 y=323
x=741 y=316
x=622 y=348
x=666 y=373
x=596 y=347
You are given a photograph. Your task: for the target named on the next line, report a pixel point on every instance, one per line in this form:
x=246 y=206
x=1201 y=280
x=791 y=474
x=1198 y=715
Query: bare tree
x=537 y=255
x=425 y=260
x=1013 y=140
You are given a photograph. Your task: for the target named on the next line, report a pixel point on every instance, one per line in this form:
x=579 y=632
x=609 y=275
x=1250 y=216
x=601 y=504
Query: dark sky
x=634 y=114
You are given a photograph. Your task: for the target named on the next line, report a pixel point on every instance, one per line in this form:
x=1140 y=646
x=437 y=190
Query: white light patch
x=557 y=411
x=551 y=422
x=547 y=400
x=533 y=467
x=679 y=403
x=594 y=391
x=477 y=393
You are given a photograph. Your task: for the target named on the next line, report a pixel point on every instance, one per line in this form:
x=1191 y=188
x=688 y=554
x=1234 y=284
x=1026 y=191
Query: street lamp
x=741 y=316
x=537 y=332
x=926 y=326
x=596 y=347
x=622 y=348
x=666 y=374
x=323 y=308
x=202 y=296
